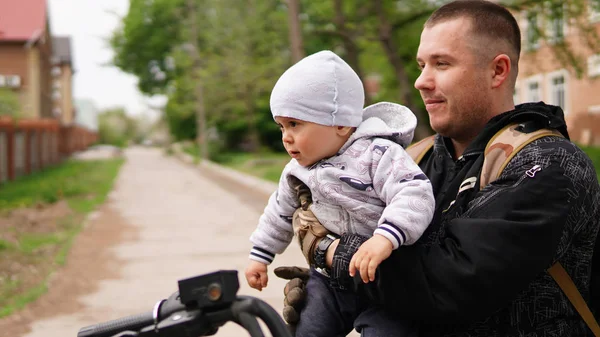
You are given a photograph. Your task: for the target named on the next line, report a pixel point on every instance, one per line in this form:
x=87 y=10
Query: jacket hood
x=386 y=120
x=539 y=114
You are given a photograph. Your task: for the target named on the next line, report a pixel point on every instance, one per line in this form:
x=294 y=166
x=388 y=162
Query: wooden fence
x=29 y=145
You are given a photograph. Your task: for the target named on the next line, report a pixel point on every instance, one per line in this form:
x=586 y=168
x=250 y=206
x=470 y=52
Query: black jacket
x=480 y=268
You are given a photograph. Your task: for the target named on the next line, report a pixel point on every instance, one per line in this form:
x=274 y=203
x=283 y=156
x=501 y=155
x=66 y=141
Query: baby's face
x=309 y=142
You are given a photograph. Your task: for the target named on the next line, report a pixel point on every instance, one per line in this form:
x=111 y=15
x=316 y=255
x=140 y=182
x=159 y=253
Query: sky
x=89 y=23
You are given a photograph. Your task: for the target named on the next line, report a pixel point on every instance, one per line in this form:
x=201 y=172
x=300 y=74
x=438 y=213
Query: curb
x=247 y=180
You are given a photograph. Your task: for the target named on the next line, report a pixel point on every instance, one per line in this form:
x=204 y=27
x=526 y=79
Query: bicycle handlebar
x=200 y=307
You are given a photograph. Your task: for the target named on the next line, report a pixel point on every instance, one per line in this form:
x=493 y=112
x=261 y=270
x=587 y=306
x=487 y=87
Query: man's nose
x=425 y=81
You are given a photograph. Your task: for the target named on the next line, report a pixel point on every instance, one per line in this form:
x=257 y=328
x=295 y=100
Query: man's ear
x=500 y=70
x=344 y=130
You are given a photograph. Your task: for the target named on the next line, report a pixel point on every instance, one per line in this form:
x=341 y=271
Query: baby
x=361 y=180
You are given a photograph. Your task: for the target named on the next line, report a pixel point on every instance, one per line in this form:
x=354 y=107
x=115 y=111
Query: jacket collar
x=546 y=116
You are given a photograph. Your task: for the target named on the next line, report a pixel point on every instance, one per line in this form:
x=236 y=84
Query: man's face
x=453 y=83
x=308 y=142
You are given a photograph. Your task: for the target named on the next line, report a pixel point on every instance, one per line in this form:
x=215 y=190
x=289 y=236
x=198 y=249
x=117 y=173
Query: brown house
x=62 y=86
x=25 y=55
x=542 y=77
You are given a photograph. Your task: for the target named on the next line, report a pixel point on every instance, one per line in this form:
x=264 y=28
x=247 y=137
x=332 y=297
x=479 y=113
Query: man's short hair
x=489 y=20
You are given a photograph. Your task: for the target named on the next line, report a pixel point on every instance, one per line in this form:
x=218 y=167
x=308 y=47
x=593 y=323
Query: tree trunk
x=352 y=50
x=295 y=32
x=404 y=83
x=197 y=78
x=252 y=138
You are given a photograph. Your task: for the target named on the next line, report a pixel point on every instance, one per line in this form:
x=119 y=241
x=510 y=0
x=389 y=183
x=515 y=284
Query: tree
x=115 y=127
x=372 y=43
x=239 y=56
x=195 y=70
x=243 y=47
x=295 y=29
x=145 y=38
x=396 y=25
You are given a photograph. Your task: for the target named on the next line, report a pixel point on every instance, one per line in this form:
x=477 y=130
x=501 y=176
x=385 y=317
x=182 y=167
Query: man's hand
x=256 y=275
x=369 y=256
x=294 y=292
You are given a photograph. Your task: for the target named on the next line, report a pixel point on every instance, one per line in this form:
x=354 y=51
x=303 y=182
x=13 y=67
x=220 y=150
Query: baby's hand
x=256 y=275
x=369 y=255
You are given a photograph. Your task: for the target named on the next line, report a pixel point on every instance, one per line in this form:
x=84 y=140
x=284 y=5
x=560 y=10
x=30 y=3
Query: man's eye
x=293 y=124
x=442 y=64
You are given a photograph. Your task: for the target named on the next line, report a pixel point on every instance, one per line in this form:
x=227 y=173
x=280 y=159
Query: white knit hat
x=321 y=88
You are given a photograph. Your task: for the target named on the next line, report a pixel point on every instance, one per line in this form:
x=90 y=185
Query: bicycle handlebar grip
x=110 y=328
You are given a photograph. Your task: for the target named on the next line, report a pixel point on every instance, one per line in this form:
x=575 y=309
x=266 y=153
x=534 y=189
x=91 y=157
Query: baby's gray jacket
x=371 y=186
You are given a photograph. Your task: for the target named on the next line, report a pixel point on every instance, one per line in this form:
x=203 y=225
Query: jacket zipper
x=492 y=196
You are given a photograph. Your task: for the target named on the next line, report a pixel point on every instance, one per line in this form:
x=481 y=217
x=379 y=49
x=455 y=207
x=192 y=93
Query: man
x=480 y=268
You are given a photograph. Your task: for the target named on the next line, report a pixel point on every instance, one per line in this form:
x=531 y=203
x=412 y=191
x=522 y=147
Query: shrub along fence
x=29 y=145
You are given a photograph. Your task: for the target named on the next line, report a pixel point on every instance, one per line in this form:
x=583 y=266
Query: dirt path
x=164 y=221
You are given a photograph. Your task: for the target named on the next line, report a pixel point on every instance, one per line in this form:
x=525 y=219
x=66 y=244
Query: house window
x=594 y=109
x=556 y=27
x=56 y=71
x=533 y=34
x=594 y=65
x=533 y=91
x=558 y=89
x=594 y=10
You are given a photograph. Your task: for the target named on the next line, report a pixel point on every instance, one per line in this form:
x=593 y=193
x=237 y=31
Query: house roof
x=61 y=47
x=21 y=20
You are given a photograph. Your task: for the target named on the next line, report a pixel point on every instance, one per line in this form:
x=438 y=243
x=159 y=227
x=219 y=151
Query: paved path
x=180 y=222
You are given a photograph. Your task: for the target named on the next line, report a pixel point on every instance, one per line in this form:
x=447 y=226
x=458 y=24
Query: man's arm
x=487 y=256
x=493 y=252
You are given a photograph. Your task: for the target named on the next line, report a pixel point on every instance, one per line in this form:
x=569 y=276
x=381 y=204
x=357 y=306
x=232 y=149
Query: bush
x=594 y=154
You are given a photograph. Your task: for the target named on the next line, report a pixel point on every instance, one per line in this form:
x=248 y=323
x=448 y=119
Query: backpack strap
x=499 y=151
x=419 y=149
x=560 y=275
x=503 y=146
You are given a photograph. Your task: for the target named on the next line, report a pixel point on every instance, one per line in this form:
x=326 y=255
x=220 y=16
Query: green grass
x=4 y=245
x=29 y=243
x=594 y=154
x=71 y=180
x=72 y=227
x=84 y=185
x=264 y=164
x=191 y=149
x=21 y=300
x=267 y=165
